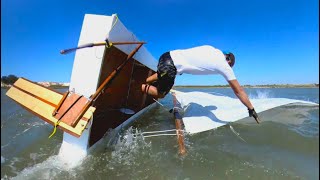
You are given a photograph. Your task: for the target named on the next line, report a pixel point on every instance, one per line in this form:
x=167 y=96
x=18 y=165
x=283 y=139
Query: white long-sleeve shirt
x=202 y=60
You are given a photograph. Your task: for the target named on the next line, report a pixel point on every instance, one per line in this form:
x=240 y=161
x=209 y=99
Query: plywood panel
x=38 y=90
x=41 y=108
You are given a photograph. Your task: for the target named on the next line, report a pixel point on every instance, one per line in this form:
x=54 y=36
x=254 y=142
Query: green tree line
x=10 y=79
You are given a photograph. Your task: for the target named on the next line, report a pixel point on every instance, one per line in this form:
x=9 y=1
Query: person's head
x=230 y=58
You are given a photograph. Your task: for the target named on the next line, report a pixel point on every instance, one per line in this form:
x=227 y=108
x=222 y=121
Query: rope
x=161 y=131
x=129 y=87
x=55 y=128
x=170 y=110
x=130 y=83
x=156 y=135
x=237 y=134
x=159 y=103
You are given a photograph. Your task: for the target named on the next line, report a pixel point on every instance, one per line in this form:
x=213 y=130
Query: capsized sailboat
x=105 y=91
x=105 y=86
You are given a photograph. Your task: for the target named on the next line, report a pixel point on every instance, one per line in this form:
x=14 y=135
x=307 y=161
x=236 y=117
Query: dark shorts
x=166 y=74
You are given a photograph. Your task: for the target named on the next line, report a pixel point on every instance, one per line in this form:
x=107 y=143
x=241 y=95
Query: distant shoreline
x=53 y=85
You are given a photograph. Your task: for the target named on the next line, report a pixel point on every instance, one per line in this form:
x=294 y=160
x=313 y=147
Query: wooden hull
x=124 y=92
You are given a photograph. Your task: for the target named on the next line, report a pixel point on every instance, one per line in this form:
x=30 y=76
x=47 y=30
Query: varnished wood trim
x=60 y=103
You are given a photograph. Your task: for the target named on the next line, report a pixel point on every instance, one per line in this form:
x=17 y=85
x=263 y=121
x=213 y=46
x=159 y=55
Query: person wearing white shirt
x=201 y=60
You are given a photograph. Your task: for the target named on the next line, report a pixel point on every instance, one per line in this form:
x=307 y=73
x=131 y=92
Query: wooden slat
x=71 y=108
x=39 y=91
x=65 y=95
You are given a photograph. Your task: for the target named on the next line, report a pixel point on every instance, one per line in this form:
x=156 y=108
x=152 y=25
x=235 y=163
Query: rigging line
x=157 y=135
x=170 y=110
x=150 y=132
x=129 y=84
x=237 y=134
x=132 y=69
x=159 y=103
x=129 y=88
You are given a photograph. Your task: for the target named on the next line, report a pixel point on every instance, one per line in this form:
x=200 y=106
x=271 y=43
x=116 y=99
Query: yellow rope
x=109 y=44
x=54 y=129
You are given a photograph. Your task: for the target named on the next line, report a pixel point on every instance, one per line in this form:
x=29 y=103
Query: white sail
x=203 y=111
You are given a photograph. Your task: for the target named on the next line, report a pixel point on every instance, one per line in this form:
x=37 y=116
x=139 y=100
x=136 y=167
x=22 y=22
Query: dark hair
x=230 y=57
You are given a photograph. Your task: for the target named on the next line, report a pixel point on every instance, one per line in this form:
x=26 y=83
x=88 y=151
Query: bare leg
x=152 y=78
x=151 y=90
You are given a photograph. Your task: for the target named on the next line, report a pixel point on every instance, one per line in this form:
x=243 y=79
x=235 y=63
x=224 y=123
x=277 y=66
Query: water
x=284 y=146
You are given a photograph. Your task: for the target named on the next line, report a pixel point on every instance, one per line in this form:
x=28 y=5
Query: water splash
x=45 y=170
x=261 y=94
x=129 y=144
x=127 y=147
x=71 y=155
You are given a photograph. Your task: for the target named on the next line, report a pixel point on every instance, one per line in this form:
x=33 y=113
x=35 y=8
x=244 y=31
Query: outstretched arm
x=242 y=95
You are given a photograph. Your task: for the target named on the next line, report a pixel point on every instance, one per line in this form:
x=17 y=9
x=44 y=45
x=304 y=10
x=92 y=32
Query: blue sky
x=274 y=41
